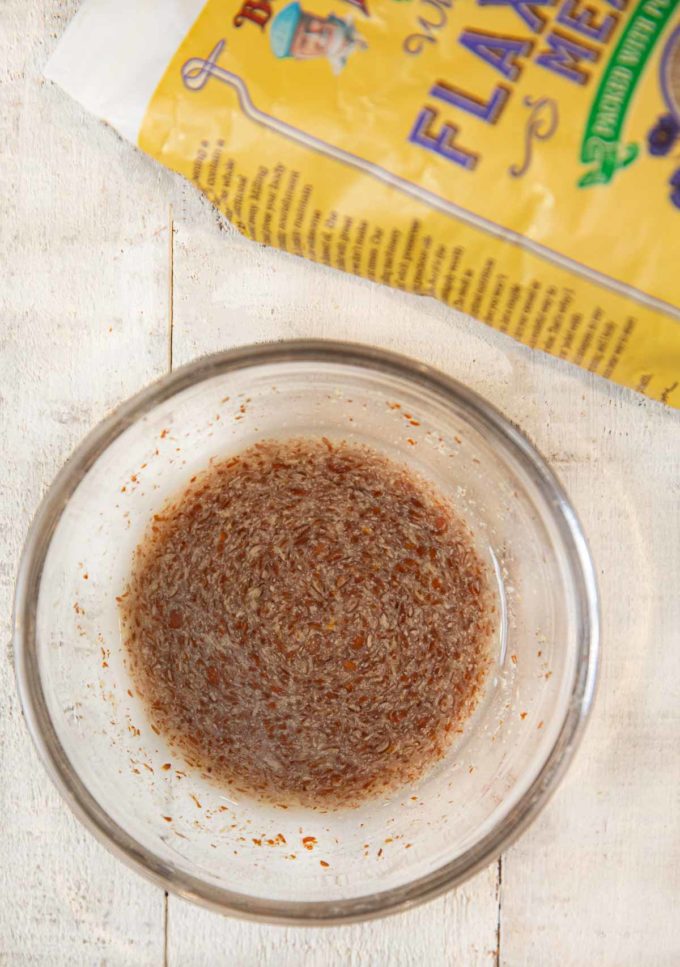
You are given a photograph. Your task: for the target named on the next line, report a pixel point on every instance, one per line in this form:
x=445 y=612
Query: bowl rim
x=95 y=818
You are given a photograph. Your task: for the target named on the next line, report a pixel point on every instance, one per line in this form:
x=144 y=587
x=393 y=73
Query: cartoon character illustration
x=302 y=35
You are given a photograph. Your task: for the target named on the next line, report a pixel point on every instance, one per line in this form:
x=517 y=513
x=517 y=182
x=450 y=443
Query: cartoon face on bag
x=302 y=35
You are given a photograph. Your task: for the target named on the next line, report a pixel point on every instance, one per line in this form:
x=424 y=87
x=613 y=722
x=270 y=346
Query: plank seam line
x=499 y=882
x=171 y=283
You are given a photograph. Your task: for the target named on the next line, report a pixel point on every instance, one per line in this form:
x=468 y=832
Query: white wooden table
x=112 y=271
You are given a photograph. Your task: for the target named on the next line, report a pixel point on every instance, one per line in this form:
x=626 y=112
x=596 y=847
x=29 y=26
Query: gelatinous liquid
x=310 y=622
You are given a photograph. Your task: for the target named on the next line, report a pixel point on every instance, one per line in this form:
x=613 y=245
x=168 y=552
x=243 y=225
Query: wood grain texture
x=598 y=874
x=83 y=317
x=86 y=318
x=458 y=929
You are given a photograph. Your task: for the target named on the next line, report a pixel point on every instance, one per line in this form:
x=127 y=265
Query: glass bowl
x=251 y=858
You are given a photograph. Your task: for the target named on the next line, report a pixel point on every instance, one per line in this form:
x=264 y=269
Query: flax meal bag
x=519 y=161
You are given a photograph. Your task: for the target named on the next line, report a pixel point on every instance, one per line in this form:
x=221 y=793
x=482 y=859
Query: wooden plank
x=597 y=879
x=572 y=887
x=84 y=323
x=457 y=929
x=84 y=320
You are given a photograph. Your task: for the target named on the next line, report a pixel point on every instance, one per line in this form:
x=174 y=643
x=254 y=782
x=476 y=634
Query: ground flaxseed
x=309 y=621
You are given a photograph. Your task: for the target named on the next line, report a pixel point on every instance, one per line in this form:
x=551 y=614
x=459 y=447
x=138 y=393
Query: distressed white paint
x=83 y=323
x=85 y=319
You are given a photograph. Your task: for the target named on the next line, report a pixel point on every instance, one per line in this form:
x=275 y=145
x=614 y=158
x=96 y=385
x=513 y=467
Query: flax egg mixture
x=309 y=622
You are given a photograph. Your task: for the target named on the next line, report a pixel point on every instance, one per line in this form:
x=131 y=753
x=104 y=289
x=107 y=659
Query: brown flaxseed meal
x=309 y=621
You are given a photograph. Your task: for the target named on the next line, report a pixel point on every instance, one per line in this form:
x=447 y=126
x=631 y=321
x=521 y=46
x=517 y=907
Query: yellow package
x=519 y=161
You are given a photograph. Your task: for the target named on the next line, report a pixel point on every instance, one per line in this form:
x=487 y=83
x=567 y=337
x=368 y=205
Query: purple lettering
x=443 y=143
x=500 y=52
x=564 y=58
x=584 y=21
x=489 y=111
x=528 y=12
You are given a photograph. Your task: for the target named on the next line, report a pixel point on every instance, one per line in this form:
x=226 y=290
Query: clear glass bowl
x=246 y=857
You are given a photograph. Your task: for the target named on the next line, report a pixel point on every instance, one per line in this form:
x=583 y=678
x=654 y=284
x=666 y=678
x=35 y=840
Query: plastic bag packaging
x=519 y=161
